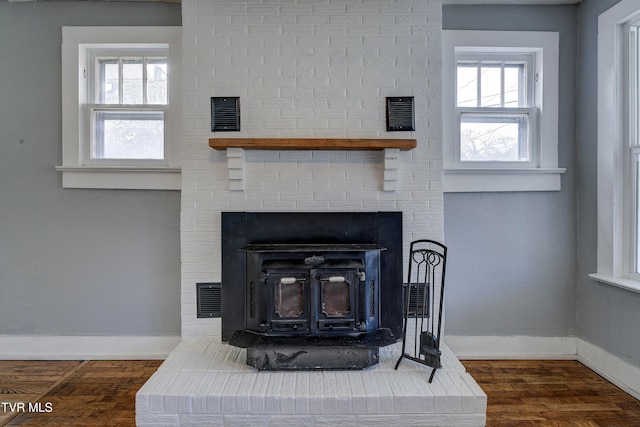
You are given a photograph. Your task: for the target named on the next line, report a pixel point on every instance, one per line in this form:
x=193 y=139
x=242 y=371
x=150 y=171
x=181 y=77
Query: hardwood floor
x=89 y=393
x=551 y=393
x=520 y=393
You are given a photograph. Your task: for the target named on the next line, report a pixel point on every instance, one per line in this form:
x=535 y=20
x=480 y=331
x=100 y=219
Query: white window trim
x=612 y=253
x=76 y=173
x=545 y=176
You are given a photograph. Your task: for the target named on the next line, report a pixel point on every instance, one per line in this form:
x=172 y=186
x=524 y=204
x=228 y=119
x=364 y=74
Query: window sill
x=502 y=180
x=628 y=284
x=126 y=178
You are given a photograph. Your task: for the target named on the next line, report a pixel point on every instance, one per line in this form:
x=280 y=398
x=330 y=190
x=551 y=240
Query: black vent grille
x=419 y=300
x=400 y=114
x=225 y=113
x=209 y=299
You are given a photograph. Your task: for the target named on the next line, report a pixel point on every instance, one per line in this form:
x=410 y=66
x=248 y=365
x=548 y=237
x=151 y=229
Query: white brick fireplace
x=302 y=69
x=306 y=69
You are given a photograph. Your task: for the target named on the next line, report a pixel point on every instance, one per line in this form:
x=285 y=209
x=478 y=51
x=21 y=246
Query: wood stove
x=319 y=291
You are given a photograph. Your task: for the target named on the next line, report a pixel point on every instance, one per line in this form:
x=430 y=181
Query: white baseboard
x=512 y=347
x=86 y=347
x=614 y=369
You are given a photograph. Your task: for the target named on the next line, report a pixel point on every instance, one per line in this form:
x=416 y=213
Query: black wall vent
x=400 y=114
x=225 y=113
x=209 y=299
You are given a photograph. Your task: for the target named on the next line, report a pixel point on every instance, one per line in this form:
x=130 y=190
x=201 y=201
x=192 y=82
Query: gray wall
x=607 y=316
x=97 y=262
x=513 y=255
x=74 y=262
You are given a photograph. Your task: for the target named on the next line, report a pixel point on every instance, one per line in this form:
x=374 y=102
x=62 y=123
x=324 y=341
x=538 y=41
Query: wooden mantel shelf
x=236 y=146
x=311 y=143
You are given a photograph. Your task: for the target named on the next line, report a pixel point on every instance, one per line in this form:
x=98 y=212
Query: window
x=500 y=132
x=632 y=146
x=121 y=109
x=495 y=118
x=619 y=146
x=128 y=105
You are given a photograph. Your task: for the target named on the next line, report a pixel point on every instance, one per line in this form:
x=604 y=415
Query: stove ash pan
x=312 y=307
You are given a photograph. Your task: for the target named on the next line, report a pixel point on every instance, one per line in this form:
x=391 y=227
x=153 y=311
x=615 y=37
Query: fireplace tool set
x=424 y=289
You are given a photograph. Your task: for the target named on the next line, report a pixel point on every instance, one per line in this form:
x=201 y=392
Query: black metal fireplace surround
x=311 y=290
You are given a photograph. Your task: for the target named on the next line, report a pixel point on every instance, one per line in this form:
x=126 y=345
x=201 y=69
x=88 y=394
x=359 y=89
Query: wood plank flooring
x=90 y=393
x=520 y=393
x=551 y=393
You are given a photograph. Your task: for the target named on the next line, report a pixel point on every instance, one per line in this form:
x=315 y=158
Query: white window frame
x=78 y=169
x=615 y=168
x=528 y=110
x=542 y=172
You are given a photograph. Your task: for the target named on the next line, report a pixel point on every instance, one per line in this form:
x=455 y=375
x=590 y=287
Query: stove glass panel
x=289 y=297
x=336 y=300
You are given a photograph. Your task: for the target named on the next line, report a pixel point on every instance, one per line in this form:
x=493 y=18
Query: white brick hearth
x=205 y=383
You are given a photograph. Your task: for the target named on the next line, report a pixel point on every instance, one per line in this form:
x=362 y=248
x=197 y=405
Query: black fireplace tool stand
x=423 y=303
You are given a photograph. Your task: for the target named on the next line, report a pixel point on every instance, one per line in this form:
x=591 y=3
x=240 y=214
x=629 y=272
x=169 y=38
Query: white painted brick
x=242 y=399
x=142 y=402
x=358 y=393
x=263 y=9
x=201 y=420
x=347 y=205
x=297 y=8
x=283 y=18
x=390 y=175
x=280 y=205
x=313 y=206
x=313 y=185
x=291 y=421
x=388 y=205
x=287 y=393
x=303 y=85
x=322 y=9
x=258 y=394
x=390 y=185
x=157 y=420
x=244 y=421
x=272 y=395
x=343 y=393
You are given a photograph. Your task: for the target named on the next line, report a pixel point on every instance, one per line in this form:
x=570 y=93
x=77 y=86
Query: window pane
x=490 y=86
x=513 y=93
x=467 y=84
x=157 y=81
x=108 y=75
x=132 y=81
x=129 y=135
x=499 y=138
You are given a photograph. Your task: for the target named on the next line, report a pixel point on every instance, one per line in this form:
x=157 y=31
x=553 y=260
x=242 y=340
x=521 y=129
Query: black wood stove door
x=289 y=308
x=316 y=301
x=336 y=299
